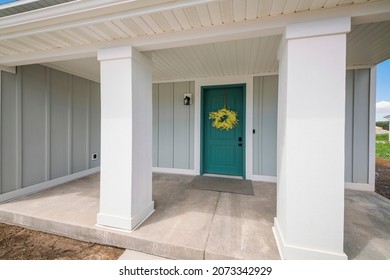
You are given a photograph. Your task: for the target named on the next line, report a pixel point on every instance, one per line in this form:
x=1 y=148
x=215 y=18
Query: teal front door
x=223 y=150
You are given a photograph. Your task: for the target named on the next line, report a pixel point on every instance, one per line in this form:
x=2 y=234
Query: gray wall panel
x=357 y=125
x=361 y=125
x=173 y=126
x=192 y=125
x=34 y=125
x=94 y=123
x=155 y=123
x=181 y=124
x=265 y=105
x=257 y=112
x=49 y=128
x=349 y=125
x=269 y=125
x=59 y=122
x=80 y=117
x=165 y=125
x=9 y=132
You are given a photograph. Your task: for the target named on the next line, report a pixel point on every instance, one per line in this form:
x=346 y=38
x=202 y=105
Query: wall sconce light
x=187 y=99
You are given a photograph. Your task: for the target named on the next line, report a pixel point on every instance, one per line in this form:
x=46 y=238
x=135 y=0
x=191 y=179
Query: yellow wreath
x=224 y=119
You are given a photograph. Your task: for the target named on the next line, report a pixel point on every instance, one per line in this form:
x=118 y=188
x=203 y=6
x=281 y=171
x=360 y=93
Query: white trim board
x=262 y=178
x=174 y=171
x=371 y=131
x=359 y=187
x=287 y=251
x=46 y=185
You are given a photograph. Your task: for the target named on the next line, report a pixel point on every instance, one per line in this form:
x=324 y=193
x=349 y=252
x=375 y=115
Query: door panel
x=222 y=150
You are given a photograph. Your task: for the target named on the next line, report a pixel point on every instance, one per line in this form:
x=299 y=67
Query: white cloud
x=382 y=109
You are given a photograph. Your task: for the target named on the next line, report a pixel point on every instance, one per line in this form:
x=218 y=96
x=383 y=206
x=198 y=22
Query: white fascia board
x=81 y=13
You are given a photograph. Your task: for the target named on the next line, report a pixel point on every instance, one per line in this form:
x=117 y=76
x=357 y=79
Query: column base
x=288 y=252
x=125 y=223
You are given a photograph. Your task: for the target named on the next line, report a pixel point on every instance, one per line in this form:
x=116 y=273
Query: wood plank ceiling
x=179 y=19
x=367 y=44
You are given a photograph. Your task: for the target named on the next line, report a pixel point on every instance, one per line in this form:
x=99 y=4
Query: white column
x=311 y=116
x=126 y=138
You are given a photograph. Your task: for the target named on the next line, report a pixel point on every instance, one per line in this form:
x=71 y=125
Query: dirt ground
x=18 y=243
x=382 y=178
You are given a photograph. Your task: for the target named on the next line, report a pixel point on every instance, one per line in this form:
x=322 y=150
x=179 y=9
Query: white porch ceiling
x=39 y=33
x=185 y=39
x=367 y=44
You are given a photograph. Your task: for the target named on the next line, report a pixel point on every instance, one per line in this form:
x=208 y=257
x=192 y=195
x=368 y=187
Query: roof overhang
x=78 y=29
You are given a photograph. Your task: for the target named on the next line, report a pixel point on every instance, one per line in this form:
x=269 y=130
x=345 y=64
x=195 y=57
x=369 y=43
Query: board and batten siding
x=357 y=126
x=50 y=126
x=173 y=126
x=265 y=111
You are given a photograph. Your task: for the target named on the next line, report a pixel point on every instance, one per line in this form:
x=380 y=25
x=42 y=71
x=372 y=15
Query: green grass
x=383 y=150
x=382 y=137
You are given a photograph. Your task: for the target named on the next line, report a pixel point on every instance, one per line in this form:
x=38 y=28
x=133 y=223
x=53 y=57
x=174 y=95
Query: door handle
x=239 y=139
x=239 y=144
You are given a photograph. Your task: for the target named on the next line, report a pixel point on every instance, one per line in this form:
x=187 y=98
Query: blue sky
x=383 y=89
x=6 y=1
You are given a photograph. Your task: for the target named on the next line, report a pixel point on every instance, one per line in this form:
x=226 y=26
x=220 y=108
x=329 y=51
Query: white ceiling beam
x=8 y=69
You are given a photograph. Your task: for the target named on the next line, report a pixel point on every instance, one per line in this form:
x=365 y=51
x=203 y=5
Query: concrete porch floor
x=195 y=224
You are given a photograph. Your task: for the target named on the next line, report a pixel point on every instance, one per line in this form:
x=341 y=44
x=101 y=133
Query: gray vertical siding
x=9 y=133
x=265 y=105
x=80 y=120
x=357 y=125
x=59 y=134
x=94 y=123
x=173 y=126
x=50 y=126
x=34 y=143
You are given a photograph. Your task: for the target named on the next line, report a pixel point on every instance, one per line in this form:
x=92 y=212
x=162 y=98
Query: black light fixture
x=187 y=99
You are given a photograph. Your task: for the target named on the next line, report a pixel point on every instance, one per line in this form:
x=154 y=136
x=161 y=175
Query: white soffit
x=367 y=44
x=240 y=57
x=79 y=33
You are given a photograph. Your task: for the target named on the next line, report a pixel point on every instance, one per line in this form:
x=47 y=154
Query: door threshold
x=223 y=176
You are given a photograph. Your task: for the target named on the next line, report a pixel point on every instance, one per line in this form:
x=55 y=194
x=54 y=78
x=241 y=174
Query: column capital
x=115 y=53
x=318 y=28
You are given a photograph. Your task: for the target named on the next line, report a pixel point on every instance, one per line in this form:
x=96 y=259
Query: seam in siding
x=158 y=126
x=172 y=87
x=87 y=132
x=189 y=130
x=48 y=122
x=1 y=135
x=19 y=130
x=70 y=119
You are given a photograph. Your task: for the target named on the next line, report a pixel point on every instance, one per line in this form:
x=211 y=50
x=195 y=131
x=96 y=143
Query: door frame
x=242 y=119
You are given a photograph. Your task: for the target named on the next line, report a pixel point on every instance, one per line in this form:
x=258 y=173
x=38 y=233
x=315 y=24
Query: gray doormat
x=218 y=184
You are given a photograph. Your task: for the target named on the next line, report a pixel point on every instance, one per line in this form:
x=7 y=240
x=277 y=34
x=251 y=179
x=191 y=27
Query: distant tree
x=383 y=124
